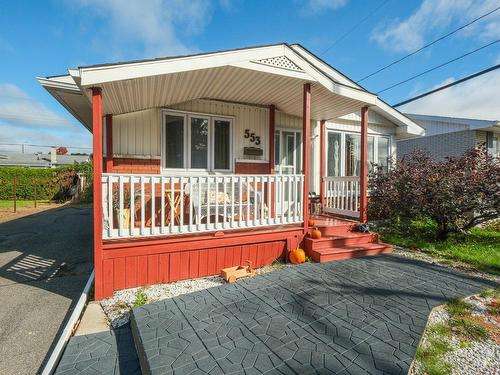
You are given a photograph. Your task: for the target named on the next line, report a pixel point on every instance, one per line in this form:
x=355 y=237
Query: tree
x=61 y=150
x=456 y=193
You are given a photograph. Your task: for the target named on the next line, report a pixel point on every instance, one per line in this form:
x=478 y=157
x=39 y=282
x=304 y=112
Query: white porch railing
x=342 y=195
x=155 y=205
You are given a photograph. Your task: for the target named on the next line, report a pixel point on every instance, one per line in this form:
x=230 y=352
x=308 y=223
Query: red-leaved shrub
x=456 y=193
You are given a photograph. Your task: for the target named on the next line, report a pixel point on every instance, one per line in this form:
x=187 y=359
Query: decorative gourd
x=297 y=256
x=316 y=233
x=310 y=222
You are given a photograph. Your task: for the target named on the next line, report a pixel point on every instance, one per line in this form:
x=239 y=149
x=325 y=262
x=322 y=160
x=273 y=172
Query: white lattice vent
x=280 y=62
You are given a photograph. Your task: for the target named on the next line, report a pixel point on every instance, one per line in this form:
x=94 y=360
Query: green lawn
x=479 y=248
x=6 y=204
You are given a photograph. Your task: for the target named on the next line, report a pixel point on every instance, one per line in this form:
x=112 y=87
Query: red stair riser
x=353 y=254
x=325 y=243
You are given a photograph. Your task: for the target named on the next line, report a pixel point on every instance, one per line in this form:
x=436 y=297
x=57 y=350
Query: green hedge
x=44 y=183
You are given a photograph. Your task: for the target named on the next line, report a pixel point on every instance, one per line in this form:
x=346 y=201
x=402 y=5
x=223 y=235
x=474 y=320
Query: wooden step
x=350 y=238
x=348 y=252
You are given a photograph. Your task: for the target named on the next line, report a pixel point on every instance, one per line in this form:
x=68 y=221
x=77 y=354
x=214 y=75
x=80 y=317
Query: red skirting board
x=140 y=270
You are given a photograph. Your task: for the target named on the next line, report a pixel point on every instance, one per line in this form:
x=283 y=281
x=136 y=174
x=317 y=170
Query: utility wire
x=490 y=69
x=438 y=66
x=428 y=44
x=343 y=36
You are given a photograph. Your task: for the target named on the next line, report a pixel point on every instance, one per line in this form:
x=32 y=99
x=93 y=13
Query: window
x=333 y=153
x=383 y=153
x=352 y=154
x=344 y=153
x=197 y=142
x=174 y=142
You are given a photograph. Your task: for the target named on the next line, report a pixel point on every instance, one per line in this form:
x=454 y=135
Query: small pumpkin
x=316 y=233
x=310 y=222
x=297 y=256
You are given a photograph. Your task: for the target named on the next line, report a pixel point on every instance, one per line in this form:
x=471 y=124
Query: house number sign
x=252 y=137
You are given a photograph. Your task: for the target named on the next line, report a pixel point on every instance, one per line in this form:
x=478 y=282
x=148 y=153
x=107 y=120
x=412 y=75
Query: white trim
x=255 y=161
x=51 y=364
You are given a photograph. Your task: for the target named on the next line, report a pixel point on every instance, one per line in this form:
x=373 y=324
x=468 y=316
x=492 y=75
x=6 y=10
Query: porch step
x=348 y=252
x=346 y=239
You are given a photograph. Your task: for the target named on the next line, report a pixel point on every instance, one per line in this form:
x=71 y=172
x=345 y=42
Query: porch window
x=174 y=142
x=383 y=154
x=352 y=154
x=197 y=142
x=344 y=153
x=334 y=153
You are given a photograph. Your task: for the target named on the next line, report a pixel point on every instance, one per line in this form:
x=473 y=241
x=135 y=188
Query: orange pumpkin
x=310 y=222
x=316 y=233
x=297 y=256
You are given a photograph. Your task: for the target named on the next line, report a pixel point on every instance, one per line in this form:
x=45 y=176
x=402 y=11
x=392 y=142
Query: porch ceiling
x=224 y=83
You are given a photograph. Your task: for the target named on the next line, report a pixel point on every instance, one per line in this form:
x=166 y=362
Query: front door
x=288 y=156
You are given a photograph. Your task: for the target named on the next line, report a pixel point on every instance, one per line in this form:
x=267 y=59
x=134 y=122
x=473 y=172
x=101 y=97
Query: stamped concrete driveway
x=45 y=261
x=361 y=316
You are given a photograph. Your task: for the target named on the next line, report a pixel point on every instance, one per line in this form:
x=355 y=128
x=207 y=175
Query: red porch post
x=272 y=120
x=363 y=177
x=306 y=137
x=322 y=167
x=97 y=161
x=109 y=143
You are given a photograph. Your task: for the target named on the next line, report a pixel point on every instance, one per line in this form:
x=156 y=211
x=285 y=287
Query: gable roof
x=251 y=75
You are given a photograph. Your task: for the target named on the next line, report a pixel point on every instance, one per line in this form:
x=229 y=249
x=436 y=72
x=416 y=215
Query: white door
x=288 y=156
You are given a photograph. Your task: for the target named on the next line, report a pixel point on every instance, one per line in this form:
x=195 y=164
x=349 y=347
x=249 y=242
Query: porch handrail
x=342 y=195
x=140 y=205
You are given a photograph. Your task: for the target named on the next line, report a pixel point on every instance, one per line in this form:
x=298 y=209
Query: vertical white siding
x=137 y=134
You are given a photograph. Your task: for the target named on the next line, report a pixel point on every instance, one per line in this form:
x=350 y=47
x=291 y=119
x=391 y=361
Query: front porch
x=207 y=161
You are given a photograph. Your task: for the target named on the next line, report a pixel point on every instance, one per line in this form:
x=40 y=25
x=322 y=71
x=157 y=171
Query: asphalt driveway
x=45 y=261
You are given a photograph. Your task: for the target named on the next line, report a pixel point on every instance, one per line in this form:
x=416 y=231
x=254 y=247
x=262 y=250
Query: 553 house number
x=252 y=137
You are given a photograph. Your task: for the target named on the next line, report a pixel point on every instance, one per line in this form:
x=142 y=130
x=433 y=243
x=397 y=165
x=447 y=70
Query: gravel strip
x=117 y=308
x=480 y=357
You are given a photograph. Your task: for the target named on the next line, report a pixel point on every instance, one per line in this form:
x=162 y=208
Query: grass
x=431 y=356
x=490 y=293
x=9 y=204
x=480 y=248
x=457 y=307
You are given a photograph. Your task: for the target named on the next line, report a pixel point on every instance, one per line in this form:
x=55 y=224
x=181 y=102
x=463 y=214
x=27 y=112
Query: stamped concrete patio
x=360 y=316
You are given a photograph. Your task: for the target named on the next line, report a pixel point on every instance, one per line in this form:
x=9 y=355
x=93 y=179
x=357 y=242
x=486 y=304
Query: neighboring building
x=39 y=160
x=452 y=136
x=203 y=161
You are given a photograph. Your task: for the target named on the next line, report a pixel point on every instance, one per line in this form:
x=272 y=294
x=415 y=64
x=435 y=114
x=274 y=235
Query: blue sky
x=40 y=38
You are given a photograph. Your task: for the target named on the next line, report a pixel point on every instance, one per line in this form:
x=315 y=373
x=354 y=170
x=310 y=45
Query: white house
x=209 y=159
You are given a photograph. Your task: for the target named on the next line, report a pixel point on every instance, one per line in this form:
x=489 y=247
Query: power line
x=343 y=36
x=490 y=69
x=438 y=66
x=429 y=44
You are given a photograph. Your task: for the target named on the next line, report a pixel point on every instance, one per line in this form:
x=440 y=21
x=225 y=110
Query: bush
x=456 y=194
x=42 y=183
